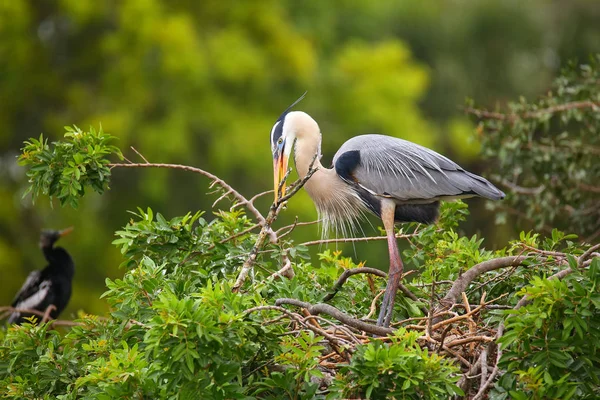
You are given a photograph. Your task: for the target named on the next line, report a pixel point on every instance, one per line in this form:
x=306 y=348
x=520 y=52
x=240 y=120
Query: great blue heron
x=50 y=286
x=396 y=180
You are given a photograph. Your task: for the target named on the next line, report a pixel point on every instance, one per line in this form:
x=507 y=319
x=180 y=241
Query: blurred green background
x=202 y=82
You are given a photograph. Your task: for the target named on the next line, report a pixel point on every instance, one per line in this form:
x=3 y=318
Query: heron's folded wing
x=393 y=167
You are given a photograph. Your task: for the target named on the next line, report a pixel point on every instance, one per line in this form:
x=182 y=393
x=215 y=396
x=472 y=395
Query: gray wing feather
x=409 y=172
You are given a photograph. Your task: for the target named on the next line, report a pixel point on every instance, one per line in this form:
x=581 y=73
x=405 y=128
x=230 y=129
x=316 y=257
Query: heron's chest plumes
x=338 y=205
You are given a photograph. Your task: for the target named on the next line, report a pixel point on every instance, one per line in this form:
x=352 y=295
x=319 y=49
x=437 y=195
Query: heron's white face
x=282 y=141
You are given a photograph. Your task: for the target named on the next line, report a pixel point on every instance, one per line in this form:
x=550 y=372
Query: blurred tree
x=201 y=83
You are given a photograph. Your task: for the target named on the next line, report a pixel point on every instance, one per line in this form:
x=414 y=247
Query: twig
x=373 y=307
x=483 y=388
x=241 y=233
x=348 y=273
x=238 y=196
x=139 y=154
x=355 y=239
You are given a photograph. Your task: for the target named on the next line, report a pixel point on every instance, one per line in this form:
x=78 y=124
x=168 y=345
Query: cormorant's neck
x=59 y=260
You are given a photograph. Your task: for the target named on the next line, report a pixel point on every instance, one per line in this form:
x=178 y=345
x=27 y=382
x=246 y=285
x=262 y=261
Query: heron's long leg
x=388 y=208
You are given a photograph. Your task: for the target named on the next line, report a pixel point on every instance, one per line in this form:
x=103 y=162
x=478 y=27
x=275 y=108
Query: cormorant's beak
x=65 y=231
x=280 y=166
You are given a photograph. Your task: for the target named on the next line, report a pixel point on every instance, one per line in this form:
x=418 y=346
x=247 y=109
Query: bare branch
x=483 y=388
x=356 y=239
x=348 y=273
x=239 y=197
x=139 y=154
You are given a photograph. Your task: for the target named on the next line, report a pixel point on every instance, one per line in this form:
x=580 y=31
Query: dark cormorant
x=52 y=285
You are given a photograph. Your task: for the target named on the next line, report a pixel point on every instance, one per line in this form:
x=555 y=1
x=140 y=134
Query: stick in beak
x=280 y=164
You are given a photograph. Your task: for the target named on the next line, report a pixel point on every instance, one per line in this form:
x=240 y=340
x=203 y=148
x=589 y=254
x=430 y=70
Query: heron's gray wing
x=388 y=166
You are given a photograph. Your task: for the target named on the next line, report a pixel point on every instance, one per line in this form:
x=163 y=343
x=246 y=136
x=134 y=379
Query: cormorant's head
x=282 y=142
x=49 y=237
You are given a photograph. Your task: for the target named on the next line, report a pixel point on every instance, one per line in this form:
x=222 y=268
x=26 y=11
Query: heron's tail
x=484 y=188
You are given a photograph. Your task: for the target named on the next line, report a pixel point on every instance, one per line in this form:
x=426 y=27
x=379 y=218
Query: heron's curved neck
x=306 y=148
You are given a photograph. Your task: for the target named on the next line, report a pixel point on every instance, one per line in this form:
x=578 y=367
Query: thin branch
x=238 y=196
x=348 y=273
x=483 y=388
x=241 y=233
x=356 y=239
x=139 y=154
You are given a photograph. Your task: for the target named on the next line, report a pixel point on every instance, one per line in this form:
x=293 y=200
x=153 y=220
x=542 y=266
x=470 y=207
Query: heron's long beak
x=280 y=165
x=65 y=231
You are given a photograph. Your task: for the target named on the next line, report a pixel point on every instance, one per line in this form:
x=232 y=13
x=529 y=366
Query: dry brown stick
x=469 y=319
x=238 y=196
x=483 y=388
x=544 y=252
x=337 y=314
x=448 y=350
x=470 y=339
x=348 y=273
x=373 y=307
x=484 y=371
x=458 y=317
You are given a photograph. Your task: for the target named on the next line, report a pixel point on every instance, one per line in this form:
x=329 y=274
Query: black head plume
x=287 y=110
x=277 y=130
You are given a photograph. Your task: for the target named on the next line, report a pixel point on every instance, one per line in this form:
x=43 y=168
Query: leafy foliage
x=64 y=168
x=552 y=352
x=401 y=369
x=547 y=152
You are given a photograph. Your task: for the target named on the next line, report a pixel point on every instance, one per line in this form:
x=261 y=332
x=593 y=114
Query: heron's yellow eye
x=280 y=140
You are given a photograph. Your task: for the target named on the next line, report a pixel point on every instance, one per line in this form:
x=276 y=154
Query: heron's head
x=49 y=237
x=283 y=135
